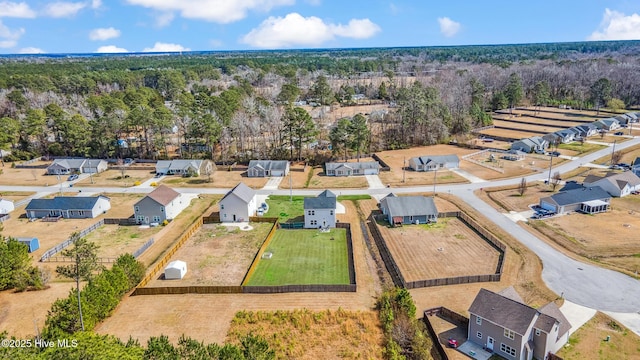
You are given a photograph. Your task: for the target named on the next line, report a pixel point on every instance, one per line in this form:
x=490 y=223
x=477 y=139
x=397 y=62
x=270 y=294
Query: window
x=478 y=320
x=507 y=349
x=509 y=334
x=479 y=335
x=537 y=332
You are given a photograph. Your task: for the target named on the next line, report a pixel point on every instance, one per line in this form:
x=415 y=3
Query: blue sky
x=86 y=26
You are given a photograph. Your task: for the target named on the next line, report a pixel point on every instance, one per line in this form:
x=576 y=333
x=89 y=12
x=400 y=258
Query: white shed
x=175 y=270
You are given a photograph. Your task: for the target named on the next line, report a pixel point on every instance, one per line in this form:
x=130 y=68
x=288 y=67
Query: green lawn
x=302 y=257
x=281 y=207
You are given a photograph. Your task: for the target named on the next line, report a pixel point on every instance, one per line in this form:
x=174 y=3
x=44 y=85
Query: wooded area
x=235 y=106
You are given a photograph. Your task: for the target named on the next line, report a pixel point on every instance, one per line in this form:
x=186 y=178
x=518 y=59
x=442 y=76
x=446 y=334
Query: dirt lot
x=139 y=317
x=113 y=178
x=446 y=249
x=221 y=178
x=28 y=177
x=21 y=313
x=218 y=255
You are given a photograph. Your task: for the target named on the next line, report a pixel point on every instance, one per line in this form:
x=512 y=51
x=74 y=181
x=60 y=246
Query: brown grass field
x=221 y=178
x=589 y=341
x=448 y=248
x=217 y=255
x=113 y=178
x=306 y=334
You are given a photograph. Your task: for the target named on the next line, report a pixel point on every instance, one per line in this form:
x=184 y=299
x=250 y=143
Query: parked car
x=72 y=177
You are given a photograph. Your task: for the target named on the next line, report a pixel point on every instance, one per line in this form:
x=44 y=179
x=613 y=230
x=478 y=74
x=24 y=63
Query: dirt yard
x=138 y=316
x=217 y=255
x=448 y=248
x=114 y=178
x=221 y=178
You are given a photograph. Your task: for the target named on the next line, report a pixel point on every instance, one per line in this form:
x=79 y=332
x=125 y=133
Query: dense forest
x=274 y=104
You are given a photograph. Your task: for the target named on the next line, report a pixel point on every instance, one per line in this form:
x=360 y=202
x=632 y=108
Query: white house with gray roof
x=320 y=211
x=76 y=166
x=401 y=210
x=238 y=204
x=184 y=167
x=434 y=162
x=503 y=324
x=267 y=168
x=352 y=168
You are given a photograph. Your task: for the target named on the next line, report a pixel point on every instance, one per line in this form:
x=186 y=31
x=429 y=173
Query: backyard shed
x=175 y=270
x=31 y=242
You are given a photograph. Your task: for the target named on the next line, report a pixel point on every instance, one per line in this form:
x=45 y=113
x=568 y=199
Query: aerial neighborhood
x=311 y=204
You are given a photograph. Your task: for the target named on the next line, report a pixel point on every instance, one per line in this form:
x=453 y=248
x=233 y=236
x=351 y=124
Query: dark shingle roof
x=269 y=164
x=409 y=205
x=242 y=191
x=325 y=200
x=64 y=203
x=580 y=195
x=503 y=311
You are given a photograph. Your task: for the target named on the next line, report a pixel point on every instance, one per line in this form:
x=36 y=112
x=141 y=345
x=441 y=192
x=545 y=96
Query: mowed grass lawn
x=303 y=257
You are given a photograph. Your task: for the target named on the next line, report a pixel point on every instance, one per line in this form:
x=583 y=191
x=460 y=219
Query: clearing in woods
x=217 y=255
x=301 y=257
x=448 y=248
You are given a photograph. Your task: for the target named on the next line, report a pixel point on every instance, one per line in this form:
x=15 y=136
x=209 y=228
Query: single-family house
x=320 y=211
x=616 y=184
x=266 y=168
x=503 y=324
x=238 y=204
x=163 y=203
x=434 y=162
x=68 y=207
x=590 y=200
x=607 y=124
x=635 y=166
x=184 y=167
x=6 y=206
x=514 y=155
x=76 y=166
x=401 y=210
x=354 y=168
x=532 y=144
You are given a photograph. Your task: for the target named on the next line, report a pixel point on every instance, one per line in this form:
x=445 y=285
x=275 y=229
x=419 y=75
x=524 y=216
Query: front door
x=489 y=343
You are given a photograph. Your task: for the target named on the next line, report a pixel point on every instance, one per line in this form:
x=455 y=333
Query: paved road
x=580 y=283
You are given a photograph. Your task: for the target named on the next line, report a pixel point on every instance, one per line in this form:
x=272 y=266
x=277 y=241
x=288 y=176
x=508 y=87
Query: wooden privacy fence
x=398 y=278
x=183 y=238
x=261 y=251
x=68 y=242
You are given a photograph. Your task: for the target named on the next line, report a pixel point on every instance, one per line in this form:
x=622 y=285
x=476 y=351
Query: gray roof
x=65 y=203
x=409 y=205
x=580 y=195
x=438 y=159
x=503 y=311
x=242 y=191
x=269 y=164
x=353 y=165
x=325 y=200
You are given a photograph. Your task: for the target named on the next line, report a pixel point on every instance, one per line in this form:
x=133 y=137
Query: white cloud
x=96 y=4
x=220 y=11
x=111 y=49
x=63 y=9
x=104 y=34
x=296 y=30
x=165 y=47
x=9 y=38
x=164 y=19
x=448 y=27
x=17 y=10
x=31 y=50
x=617 y=26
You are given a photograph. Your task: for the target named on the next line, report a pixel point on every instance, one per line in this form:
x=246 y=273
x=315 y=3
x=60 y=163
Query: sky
x=117 y=26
